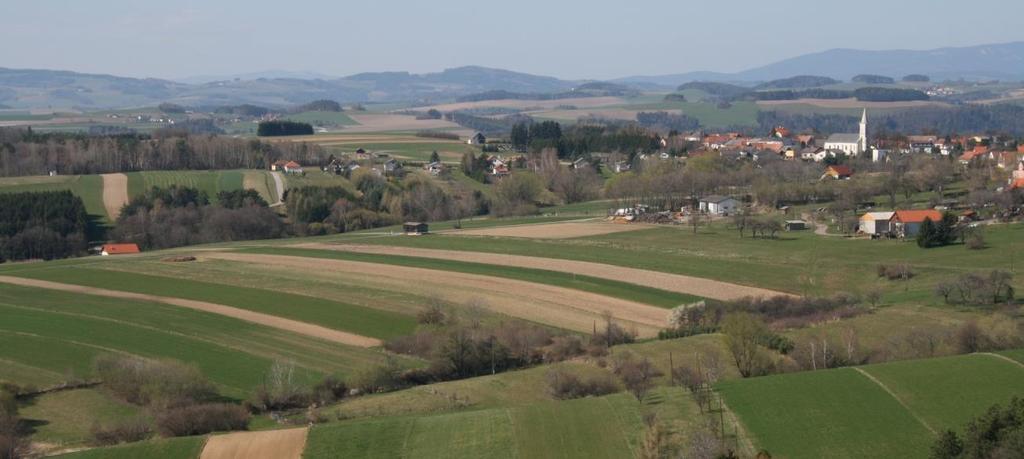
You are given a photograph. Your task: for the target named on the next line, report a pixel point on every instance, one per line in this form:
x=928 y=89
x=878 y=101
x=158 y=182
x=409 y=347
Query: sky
x=571 y=39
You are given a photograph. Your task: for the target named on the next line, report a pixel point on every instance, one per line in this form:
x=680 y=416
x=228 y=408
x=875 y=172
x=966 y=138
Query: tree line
x=26 y=152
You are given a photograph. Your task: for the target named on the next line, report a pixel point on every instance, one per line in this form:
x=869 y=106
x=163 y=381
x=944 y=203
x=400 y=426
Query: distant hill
x=984 y=62
x=54 y=88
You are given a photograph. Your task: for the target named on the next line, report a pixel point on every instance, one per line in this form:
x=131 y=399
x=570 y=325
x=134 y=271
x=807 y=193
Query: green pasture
x=323 y=118
x=211 y=182
x=87 y=187
x=169 y=448
x=332 y=314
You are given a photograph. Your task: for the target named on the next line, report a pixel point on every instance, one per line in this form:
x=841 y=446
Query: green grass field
x=171 y=448
x=843 y=413
x=211 y=182
x=603 y=427
x=67 y=416
x=87 y=187
x=332 y=314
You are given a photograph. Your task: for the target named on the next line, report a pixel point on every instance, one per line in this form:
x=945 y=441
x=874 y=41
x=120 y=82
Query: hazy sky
x=570 y=39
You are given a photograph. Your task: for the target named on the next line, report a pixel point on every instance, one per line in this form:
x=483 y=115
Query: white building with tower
x=851 y=144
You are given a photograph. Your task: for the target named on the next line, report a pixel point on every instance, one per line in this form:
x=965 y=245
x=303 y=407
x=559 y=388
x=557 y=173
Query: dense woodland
x=25 y=152
x=283 y=128
x=45 y=225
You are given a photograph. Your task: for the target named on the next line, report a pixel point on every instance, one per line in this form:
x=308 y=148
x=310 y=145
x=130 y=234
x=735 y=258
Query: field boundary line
x=1002 y=357
x=897 y=398
x=268 y=320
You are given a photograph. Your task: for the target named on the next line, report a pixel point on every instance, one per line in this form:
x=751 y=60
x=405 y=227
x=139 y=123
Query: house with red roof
x=837 y=172
x=118 y=249
x=907 y=223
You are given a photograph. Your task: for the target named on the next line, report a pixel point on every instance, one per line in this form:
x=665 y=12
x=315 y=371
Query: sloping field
x=607 y=287
x=554 y=230
x=887 y=410
x=61 y=332
x=267 y=444
x=115 y=194
x=301 y=328
x=705 y=288
x=850 y=103
x=87 y=187
x=312 y=311
x=263 y=183
x=582 y=102
x=170 y=448
x=604 y=427
x=211 y=182
x=65 y=417
x=560 y=307
x=947 y=392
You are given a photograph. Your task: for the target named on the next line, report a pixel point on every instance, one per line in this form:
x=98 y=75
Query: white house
x=477 y=139
x=718 y=205
x=851 y=144
x=876 y=223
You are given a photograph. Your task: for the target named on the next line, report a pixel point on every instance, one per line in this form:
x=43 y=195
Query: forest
x=46 y=225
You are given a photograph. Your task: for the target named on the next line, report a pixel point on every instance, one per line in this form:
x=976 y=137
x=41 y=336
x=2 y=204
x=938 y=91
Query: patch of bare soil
x=115 y=194
x=705 y=288
x=268 y=320
x=561 y=307
x=267 y=444
x=554 y=230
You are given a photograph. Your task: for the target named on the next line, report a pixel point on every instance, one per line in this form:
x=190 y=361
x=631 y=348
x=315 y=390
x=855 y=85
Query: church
x=851 y=144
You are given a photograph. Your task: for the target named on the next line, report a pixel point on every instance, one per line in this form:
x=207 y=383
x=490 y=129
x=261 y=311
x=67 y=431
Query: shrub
x=330 y=389
x=563 y=348
x=636 y=374
x=151 y=382
x=127 y=431
x=432 y=315
x=975 y=242
x=279 y=391
x=381 y=378
x=563 y=385
x=201 y=419
x=899 y=271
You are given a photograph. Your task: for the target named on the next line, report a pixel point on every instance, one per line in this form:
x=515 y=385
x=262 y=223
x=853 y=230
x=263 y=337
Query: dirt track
x=672 y=282
x=115 y=193
x=555 y=230
x=557 y=306
x=268 y=320
x=267 y=444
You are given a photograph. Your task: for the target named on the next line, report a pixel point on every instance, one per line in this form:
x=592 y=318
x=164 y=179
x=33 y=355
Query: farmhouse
x=118 y=249
x=477 y=139
x=292 y=167
x=837 y=172
x=851 y=144
x=434 y=168
x=414 y=228
x=876 y=223
x=718 y=205
x=796 y=225
x=907 y=223
x=392 y=167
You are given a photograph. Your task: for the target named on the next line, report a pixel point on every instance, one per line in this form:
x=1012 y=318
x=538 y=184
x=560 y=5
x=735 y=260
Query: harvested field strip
x=267 y=444
x=829 y=413
x=262 y=183
x=688 y=285
x=599 y=427
x=556 y=306
x=310 y=355
x=555 y=230
x=958 y=388
x=169 y=448
x=612 y=288
x=301 y=328
x=115 y=194
x=325 y=314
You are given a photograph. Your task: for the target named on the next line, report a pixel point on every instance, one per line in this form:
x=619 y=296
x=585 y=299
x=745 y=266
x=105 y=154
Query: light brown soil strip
x=268 y=320
x=898 y=400
x=555 y=230
x=557 y=306
x=115 y=194
x=678 y=283
x=267 y=444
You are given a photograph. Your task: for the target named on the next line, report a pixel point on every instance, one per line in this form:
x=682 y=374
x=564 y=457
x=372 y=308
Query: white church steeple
x=862 y=140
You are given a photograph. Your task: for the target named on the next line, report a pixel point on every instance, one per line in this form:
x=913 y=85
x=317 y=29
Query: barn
x=118 y=249
x=414 y=228
x=876 y=223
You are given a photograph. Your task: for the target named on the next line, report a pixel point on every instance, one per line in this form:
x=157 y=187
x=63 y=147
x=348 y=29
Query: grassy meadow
x=87 y=187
